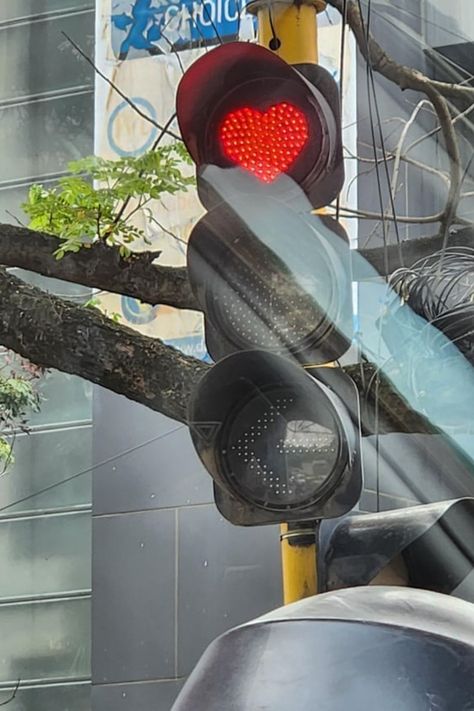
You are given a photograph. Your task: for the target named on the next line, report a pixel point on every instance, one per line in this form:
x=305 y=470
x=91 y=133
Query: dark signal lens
x=281 y=449
x=264 y=143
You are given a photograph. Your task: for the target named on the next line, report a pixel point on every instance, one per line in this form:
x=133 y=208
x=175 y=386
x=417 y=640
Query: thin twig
x=423 y=220
x=403 y=135
x=119 y=91
x=13 y=695
x=436 y=130
x=437 y=92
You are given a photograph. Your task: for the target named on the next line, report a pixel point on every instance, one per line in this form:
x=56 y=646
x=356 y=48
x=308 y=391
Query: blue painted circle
x=138 y=313
x=142 y=103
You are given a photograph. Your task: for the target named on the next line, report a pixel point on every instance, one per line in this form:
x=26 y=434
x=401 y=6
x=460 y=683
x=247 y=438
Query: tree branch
x=54 y=333
x=413 y=250
x=405 y=77
x=98 y=266
x=408 y=78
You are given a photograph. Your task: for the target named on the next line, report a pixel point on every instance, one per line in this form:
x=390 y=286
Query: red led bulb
x=266 y=144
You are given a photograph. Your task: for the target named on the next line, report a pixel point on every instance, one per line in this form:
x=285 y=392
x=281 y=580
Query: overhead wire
x=374 y=143
x=371 y=93
x=341 y=79
x=382 y=140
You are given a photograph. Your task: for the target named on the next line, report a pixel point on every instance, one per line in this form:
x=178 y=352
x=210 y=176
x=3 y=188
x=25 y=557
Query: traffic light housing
x=268 y=277
x=364 y=649
x=274 y=283
x=242 y=106
x=429 y=546
x=278 y=442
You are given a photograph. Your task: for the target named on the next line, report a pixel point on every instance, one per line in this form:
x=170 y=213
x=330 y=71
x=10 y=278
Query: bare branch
x=408 y=78
x=413 y=250
x=132 y=104
x=405 y=77
x=404 y=158
x=58 y=334
x=13 y=694
x=401 y=141
x=98 y=266
x=367 y=215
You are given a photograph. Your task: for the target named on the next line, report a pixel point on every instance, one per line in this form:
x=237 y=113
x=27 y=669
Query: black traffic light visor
x=435 y=543
x=239 y=77
x=363 y=649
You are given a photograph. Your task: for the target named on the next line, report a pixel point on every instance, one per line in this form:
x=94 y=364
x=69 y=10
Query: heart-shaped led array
x=266 y=143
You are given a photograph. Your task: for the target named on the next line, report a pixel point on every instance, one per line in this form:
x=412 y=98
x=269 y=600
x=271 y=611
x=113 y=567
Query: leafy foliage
x=18 y=398
x=97 y=200
x=99 y=197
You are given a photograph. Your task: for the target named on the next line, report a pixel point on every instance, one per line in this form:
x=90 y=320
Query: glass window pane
x=45 y=640
x=74 y=697
x=59 y=68
x=22 y=8
x=42 y=137
x=44 y=461
x=45 y=554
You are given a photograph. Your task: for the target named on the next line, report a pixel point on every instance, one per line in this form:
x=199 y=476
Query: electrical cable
x=374 y=144
x=382 y=143
x=275 y=42
x=341 y=80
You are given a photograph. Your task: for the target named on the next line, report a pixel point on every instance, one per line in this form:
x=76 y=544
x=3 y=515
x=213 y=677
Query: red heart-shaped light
x=267 y=143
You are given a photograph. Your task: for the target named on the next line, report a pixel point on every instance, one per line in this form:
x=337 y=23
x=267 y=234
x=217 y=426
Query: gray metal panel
x=448 y=21
x=143 y=696
x=133 y=618
x=151 y=461
x=372 y=501
x=226 y=575
x=415 y=467
x=121 y=424
x=159 y=474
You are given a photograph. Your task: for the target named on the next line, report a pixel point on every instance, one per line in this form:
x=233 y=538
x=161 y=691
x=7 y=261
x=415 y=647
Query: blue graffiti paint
x=191 y=345
x=143 y=104
x=137 y=25
x=137 y=313
x=147 y=27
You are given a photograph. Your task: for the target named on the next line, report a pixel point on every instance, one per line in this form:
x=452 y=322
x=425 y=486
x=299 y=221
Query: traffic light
x=274 y=283
x=266 y=140
x=269 y=277
x=430 y=547
x=278 y=442
x=242 y=106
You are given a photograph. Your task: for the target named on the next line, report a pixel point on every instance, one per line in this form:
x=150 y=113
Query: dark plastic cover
x=434 y=544
x=359 y=649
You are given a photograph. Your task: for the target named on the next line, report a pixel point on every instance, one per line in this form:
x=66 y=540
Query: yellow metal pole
x=298 y=561
x=290 y=29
